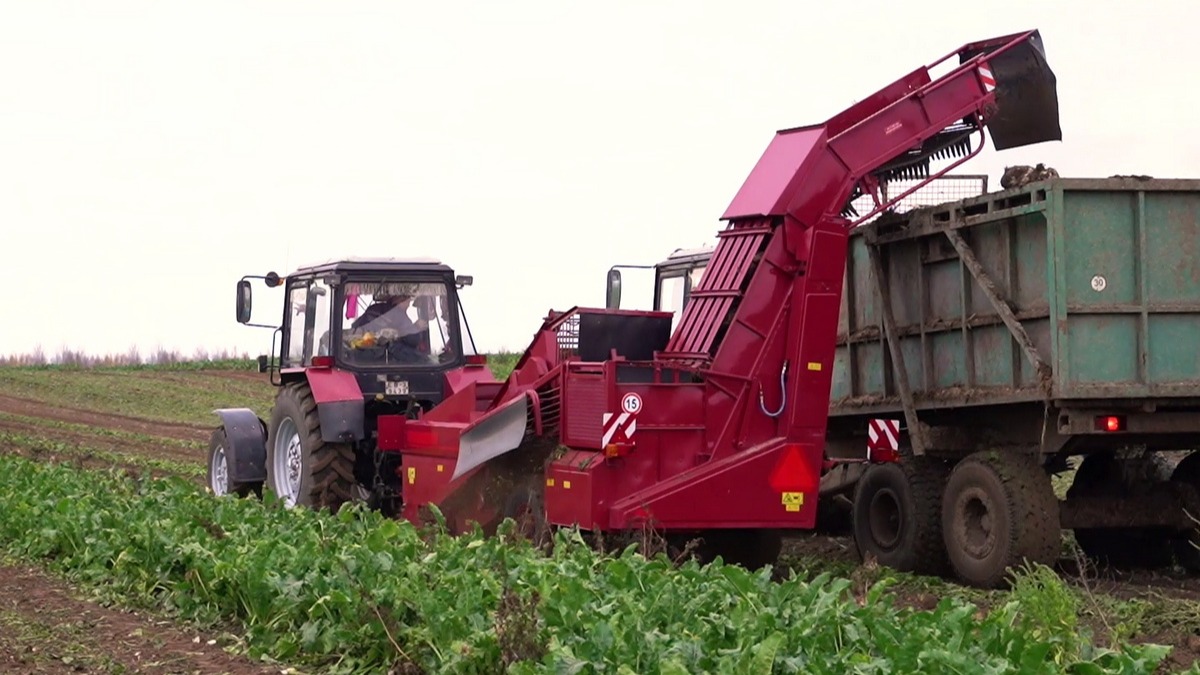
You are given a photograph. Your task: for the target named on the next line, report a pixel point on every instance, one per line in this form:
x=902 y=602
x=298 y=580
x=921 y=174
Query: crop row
x=355 y=592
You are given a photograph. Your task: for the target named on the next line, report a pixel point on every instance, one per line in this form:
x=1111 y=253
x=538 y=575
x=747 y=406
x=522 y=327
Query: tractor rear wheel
x=303 y=469
x=999 y=510
x=219 y=481
x=896 y=514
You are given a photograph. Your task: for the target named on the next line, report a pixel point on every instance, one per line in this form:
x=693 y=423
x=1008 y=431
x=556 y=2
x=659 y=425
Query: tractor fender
x=245 y=444
x=340 y=405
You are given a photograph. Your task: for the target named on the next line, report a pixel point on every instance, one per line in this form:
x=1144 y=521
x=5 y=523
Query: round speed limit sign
x=632 y=404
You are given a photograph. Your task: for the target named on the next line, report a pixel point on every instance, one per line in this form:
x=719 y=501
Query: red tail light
x=1110 y=423
x=322 y=362
x=477 y=359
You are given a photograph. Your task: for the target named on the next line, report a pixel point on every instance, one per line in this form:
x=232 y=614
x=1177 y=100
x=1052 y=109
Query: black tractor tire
x=896 y=515
x=999 y=511
x=1184 y=545
x=326 y=470
x=1098 y=475
x=217 y=475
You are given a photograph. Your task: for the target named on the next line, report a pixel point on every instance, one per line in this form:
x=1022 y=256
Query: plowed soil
x=46 y=628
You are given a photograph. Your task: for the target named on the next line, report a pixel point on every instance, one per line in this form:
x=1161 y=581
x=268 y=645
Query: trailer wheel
x=219 y=482
x=896 y=515
x=1186 y=553
x=999 y=510
x=1100 y=474
x=302 y=469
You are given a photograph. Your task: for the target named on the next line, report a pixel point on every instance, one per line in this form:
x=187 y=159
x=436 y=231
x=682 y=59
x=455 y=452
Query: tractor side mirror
x=463 y=280
x=243 y=301
x=612 y=299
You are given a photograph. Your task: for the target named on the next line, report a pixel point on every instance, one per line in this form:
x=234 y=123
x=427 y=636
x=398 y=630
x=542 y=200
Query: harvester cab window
x=309 y=324
x=397 y=323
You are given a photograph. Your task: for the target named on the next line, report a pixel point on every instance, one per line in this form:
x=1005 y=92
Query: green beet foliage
x=356 y=593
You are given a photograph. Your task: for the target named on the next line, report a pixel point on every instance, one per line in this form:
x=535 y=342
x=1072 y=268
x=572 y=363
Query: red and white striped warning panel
x=618 y=427
x=989 y=82
x=883 y=435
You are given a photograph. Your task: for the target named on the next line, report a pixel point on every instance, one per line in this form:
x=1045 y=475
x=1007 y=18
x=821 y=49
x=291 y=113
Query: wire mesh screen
x=947 y=188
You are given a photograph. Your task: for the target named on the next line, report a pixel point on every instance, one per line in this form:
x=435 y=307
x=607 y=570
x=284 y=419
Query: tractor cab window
x=396 y=323
x=309 y=321
x=671 y=290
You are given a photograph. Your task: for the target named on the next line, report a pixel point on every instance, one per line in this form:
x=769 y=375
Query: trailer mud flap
x=500 y=432
x=1026 y=94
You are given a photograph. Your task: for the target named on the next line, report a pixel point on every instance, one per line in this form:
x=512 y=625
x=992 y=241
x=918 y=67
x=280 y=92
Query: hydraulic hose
x=782 y=393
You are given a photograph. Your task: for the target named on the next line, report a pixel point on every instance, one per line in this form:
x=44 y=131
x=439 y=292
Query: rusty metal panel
x=1103 y=277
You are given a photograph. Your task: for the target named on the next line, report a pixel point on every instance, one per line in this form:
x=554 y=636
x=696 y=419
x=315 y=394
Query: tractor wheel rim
x=288 y=462
x=220 y=473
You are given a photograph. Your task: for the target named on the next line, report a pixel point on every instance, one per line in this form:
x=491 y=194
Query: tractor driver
x=389 y=314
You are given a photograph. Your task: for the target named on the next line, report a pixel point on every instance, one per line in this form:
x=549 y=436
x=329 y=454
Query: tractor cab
x=396 y=324
x=674 y=280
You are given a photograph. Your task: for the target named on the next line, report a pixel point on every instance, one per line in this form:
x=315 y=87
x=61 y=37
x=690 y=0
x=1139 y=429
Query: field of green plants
x=101 y=485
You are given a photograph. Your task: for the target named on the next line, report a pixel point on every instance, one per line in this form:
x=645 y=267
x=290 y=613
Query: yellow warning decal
x=813 y=365
x=441 y=468
x=792 y=501
x=549 y=482
x=412 y=475
x=566 y=485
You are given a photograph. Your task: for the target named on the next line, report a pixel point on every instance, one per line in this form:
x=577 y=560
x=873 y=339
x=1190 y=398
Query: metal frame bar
x=1002 y=308
x=916 y=434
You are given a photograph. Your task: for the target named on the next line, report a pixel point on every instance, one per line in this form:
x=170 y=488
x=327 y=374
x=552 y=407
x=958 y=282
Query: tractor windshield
x=398 y=323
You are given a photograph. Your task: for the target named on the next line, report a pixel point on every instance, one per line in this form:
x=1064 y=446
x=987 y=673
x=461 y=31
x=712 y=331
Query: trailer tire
x=998 y=511
x=303 y=469
x=1186 y=553
x=896 y=515
x=1100 y=474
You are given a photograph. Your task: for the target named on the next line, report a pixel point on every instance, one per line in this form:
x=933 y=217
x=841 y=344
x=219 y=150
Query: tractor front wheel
x=219 y=481
x=303 y=469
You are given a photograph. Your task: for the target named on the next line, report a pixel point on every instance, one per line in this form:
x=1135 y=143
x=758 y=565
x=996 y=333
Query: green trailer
x=1059 y=319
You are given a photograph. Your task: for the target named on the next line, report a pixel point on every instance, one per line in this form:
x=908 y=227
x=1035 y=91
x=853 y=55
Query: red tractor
x=359 y=339
x=613 y=421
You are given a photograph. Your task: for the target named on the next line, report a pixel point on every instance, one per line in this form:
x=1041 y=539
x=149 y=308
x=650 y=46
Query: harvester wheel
x=302 y=469
x=998 y=511
x=897 y=517
x=1100 y=474
x=219 y=482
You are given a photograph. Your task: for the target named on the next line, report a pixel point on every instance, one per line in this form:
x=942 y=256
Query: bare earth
x=45 y=628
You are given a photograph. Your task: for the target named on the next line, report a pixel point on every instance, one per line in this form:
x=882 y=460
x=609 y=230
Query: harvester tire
x=896 y=515
x=1100 y=475
x=999 y=510
x=303 y=469
x=218 y=478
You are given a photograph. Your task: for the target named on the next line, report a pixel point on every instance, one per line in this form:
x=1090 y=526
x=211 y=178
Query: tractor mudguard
x=246 y=444
x=340 y=405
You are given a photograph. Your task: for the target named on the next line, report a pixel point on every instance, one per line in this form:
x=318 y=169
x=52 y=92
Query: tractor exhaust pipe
x=1026 y=91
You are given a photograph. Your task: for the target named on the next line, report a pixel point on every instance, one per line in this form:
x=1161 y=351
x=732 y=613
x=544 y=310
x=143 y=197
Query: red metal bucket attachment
x=1026 y=94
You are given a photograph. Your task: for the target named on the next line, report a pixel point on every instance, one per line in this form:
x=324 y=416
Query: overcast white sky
x=153 y=152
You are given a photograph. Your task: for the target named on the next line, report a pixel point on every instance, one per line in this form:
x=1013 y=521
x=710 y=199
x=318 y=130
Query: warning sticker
x=792 y=501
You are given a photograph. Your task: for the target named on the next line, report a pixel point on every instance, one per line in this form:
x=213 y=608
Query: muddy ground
x=45 y=627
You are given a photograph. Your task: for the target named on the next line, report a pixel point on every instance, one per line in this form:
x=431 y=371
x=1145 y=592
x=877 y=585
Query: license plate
x=396 y=388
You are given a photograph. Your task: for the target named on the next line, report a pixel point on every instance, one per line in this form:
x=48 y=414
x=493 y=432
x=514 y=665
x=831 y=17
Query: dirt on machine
x=709 y=422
